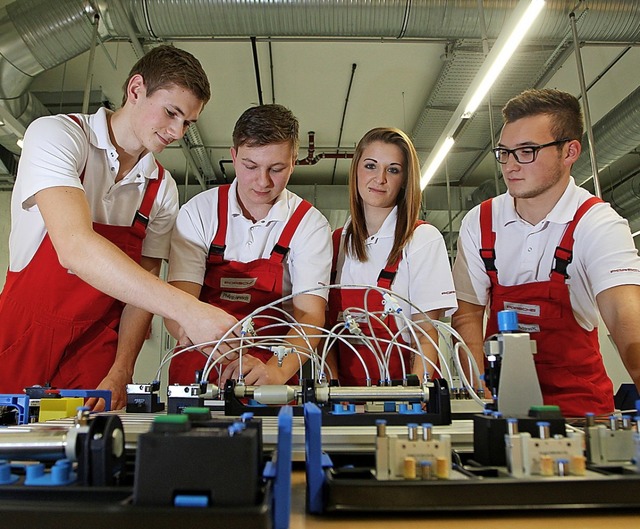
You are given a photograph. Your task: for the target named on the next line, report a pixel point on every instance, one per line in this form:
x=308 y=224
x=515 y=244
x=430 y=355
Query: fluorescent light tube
x=442 y=152
x=504 y=51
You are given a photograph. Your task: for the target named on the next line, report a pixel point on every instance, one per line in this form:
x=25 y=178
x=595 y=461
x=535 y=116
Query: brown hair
x=264 y=125
x=563 y=108
x=167 y=65
x=408 y=200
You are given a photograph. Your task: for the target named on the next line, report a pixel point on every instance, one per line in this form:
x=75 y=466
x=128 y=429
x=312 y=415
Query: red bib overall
x=569 y=365
x=55 y=327
x=350 y=369
x=240 y=288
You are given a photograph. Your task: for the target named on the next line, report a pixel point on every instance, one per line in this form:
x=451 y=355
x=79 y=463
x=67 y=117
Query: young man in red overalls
x=245 y=245
x=92 y=213
x=554 y=253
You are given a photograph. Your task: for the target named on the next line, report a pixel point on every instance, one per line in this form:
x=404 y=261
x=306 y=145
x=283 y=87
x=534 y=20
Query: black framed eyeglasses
x=524 y=155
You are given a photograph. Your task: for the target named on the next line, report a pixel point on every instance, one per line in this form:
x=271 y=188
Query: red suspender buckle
x=139 y=217
x=216 y=250
x=388 y=274
x=562 y=259
x=488 y=256
x=386 y=277
x=280 y=250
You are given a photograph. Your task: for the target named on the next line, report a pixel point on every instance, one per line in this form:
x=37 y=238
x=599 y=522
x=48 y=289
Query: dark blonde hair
x=408 y=200
x=563 y=108
x=264 y=125
x=167 y=65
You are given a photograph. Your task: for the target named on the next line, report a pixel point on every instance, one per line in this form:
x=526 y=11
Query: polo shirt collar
x=509 y=213
x=100 y=130
x=565 y=209
x=562 y=212
x=388 y=228
x=278 y=212
x=99 y=137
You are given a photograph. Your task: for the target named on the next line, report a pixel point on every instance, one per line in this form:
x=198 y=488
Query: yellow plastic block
x=59 y=408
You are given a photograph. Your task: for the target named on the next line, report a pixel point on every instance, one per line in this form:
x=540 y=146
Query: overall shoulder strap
x=336 y=237
x=564 y=251
x=141 y=218
x=488 y=240
x=218 y=244
x=281 y=249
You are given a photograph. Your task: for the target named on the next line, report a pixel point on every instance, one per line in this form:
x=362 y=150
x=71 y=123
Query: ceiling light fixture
x=521 y=20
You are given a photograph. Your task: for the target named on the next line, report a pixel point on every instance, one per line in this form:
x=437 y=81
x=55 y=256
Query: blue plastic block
x=282 y=481
x=340 y=409
x=20 y=403
x=90 y=394
x=6 y=477
x=415 y=409
x=190 y=500
x=389 y=407
x=315 y=460
x=61 y=474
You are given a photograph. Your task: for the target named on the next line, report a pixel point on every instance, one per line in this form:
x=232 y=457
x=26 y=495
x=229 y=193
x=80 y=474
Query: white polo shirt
x=604 y=254
x=54 y=155
x=306 y=266
x=424 y=274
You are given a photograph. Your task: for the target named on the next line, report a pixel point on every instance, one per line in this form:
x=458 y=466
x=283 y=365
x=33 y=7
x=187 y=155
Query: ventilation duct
x=616 y=134
x=626 y=196
x=193 y=143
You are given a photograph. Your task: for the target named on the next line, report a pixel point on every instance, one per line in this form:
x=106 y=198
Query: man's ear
x=574 y=148
x=136 y=88
x=234 y=154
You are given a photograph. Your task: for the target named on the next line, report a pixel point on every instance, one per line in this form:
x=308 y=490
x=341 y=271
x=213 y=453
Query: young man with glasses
x=554 y=253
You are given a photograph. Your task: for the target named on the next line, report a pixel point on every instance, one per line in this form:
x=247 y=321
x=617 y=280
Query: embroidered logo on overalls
x=233 y=296
x=523 y=308
x=530 y=328
x=238 y=283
